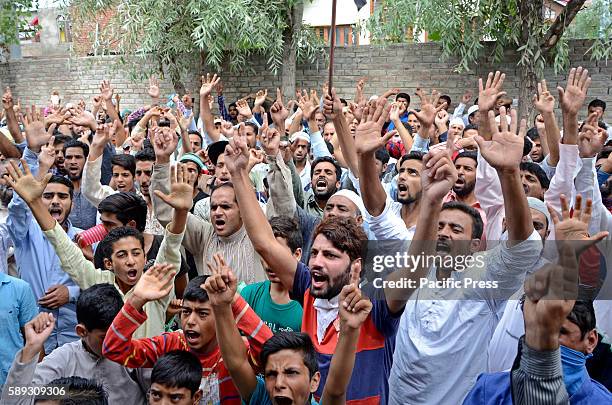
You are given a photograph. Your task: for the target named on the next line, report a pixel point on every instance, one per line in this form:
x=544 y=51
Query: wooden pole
x=332 y=47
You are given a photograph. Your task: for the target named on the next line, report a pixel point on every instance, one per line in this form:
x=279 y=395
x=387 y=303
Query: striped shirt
x=201 y=240
x=216 y=382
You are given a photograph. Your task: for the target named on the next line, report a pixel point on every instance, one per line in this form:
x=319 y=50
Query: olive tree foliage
x=179 y=32
x=14 y=17
x=462 y=26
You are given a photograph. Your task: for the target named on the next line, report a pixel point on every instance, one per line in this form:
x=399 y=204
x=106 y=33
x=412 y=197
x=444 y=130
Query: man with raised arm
x=451 y=317
x=336 y=252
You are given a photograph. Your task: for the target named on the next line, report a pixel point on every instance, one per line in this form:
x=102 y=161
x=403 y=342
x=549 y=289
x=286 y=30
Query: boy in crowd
x=96 y=308
x=125 y=245
x=270 y=299
x=197 y=336
x=176 y=379
x=288 y=359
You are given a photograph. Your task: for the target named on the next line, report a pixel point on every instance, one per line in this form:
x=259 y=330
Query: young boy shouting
x=197 y=335
x=127 y=258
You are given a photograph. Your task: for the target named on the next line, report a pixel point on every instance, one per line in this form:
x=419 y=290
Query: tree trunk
x=290 y=52
x=530 y=13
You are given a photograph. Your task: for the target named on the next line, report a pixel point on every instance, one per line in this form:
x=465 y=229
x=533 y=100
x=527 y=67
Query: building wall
x=405 y=66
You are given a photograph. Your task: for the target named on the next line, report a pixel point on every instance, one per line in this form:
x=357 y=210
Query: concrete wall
x=405 y=66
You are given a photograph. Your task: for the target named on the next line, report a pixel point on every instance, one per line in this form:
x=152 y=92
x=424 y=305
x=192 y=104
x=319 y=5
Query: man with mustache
x=336 y=253
x=36 y=259
x=466 y=163
x=83 y=213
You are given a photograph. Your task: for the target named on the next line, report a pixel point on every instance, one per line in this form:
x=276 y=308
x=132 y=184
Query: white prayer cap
x=351 y=195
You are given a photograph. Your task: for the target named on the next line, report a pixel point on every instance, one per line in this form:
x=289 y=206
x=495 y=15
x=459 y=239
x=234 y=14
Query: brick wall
x=405 y=66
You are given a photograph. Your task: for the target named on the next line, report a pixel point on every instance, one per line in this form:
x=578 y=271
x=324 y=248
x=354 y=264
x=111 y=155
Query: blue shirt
x=260 y=395
x=17 y=307
x=39 y=266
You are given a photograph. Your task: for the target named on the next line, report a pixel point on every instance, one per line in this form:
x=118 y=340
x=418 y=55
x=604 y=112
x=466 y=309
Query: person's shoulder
x=260 y=396
x=600 y=391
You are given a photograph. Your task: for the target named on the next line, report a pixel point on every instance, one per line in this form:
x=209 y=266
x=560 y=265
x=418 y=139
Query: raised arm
x=368 y=141
x=399 y=127
x=332 y=109
x=208 y=83
x=91 y=183
x=278 y=112
x=504 y=153
x=487 y=98
x=571 y=100
x=221 y=288
x=260 y=233
x=544 y=102
x=106 y=91
x=427 y=117
x=7 y=148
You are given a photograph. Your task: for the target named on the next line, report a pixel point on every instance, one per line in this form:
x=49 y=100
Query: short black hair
x=328 y=159
x=330 y=147
x=228 y=184
x=128 y=207
x=193 y=291
x=117 y=234
x=383 y=155
x=412 y=155
x=467 y=154
x=477 y=225
x=533 y=134
x=296 y=341
x=470 y=126
x=79 y=391
x=125 y=161
x=60 y=138
x=75 y=143
x=192 y=132
x=97 y=306
x=145 y=155
x=252 y=125
x=288 y=229
x=583 y=316
x=597 y=103
x=537 y=171
x=178 y=369
x=403 y=95
x=64 y=181
x=447 y=99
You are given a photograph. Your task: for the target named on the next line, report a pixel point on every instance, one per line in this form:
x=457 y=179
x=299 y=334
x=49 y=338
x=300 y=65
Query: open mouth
x=526 y=188
x=132 y=274
x=219 y=222
x=56 y=213
x=460 y=182
x=402 y=188
x=321 y=185
x=318 y=279
x=191 y=336
x=281 y=400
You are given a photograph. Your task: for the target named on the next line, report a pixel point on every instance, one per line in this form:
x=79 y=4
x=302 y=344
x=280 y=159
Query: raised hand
x=102 y=136
x=278 y=111
x=439 y=175
x=24 y=183
x=84 y=119
x=574 y=227
x=467 y=96
x=106 y=91
x=308 y=104
x=260 y=97
x=172 y=119
x=505 y=150
x=222 y=284
x=367 y=135
x=35 y=132
x=7 y=99
x=332 y=105
x=227 y=129
x=544 y=102
x=181 y=190
x=165 y=142
x=156 y=283
x=243 y=109
x=441 y=119
x=491 y=91
x=153 y=87
x=184 y=120
x=237 y=153
x=592 y=138
x=97 y=102
x=46 y=157
x=38 y=330
x=270 y=139
x=359 y=98
x=550 y=296
x=208 y=83
x=572 y=97
x=427 y=114
x=354 y=308
x=219 y=88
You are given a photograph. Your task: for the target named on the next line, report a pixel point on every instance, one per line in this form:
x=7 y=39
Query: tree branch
x=563 y=20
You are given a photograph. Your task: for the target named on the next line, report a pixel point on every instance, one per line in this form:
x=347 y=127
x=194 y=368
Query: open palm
x=181 y=192
x=156 y=283
x=572 y=97
x=24 y=183
x=367 y=135
x=505 y=150
x=208 y=84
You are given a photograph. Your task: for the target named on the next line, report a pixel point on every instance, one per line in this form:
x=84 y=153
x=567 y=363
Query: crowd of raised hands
x=233 y=248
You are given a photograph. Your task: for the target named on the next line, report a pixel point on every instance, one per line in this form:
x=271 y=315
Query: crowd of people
x=166 y=257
